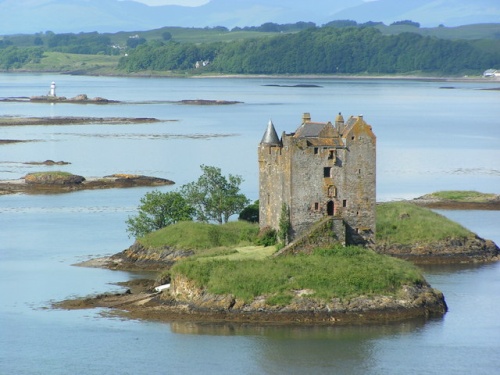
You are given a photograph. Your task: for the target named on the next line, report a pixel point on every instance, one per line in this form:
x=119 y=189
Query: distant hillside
x=33 y=16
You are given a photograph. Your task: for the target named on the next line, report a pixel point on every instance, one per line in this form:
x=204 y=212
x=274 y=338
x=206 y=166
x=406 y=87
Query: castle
x=320 y=171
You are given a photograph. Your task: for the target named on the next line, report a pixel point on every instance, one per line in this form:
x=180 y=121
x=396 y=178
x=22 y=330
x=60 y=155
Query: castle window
x=344 y=203
x=315 y=150
x=316 y=206
x=327 y=172
x=331 y=155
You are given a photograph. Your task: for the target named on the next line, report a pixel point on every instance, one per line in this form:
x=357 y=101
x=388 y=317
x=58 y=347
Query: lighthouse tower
x=52 y=91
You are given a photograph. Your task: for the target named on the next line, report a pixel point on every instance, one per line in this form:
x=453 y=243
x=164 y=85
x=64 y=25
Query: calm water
x=428 y=139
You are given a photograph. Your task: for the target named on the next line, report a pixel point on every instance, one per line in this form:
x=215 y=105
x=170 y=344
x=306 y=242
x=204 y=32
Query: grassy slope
x=461 y=196
x=57 y=61
x=405 y=223
x=328 y=273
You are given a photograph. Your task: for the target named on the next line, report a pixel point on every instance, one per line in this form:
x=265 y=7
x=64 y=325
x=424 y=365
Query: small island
x=64 y=182
x=459 y=200
x=236 y=279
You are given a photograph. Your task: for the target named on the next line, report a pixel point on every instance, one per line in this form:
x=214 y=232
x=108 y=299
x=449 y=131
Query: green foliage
x=284 y=224
x=134 y=42
x=158 y=210
x=326 y=50
x=13 y=58
x=201 y=236
x=462 y=196
x=215 y=197
x=83 y=43
x=267 y=237
x=328 y=273
x=250 y=213
x=406 y=223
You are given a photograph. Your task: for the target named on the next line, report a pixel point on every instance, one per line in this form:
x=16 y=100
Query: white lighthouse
x=52 y=91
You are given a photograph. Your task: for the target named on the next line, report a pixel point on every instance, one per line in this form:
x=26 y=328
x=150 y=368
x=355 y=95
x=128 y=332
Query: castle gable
x=355 y=127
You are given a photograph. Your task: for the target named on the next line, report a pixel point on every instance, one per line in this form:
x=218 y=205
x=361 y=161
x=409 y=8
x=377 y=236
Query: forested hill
x=340 y=47
x=323 y=50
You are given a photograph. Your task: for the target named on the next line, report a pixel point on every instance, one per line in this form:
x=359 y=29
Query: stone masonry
x=320 y=170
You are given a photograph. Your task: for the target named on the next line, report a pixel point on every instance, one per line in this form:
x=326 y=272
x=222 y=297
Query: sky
x=173 y=2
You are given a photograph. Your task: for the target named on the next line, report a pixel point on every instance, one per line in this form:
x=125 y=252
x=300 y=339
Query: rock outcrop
x=461 y=250
x=138 y=257
x=410 y=302
x=61 y=182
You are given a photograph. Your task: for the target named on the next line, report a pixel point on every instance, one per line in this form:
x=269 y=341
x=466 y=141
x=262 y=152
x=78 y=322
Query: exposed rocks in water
x=47 y=162
x=61 y=182
x=9 y=141
x=487 y=202
x=35 y=179
x=300 y=85
x=184 y=301
x=19 y=121
x=464 y=250
x=208 y=102
x=79 y=99
x=137 y=257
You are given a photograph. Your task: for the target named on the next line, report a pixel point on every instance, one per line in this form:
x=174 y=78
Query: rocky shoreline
x=488 y=202
x=184 y=301
x=67 y=120
x=451 y=251
x=46 y=183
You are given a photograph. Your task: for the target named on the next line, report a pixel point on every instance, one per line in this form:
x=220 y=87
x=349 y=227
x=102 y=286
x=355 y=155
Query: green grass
x=190 y=35
x=462 y=196
x=405 y=223
x=54 y=174
x=328 y=273
x=57 y=61
x=202 y=236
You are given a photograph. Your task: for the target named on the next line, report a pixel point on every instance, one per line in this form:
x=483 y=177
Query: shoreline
x=159 y=74
x=91 y=183
x=139 y=301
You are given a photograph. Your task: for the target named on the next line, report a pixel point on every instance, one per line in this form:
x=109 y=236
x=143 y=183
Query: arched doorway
x=330 y=208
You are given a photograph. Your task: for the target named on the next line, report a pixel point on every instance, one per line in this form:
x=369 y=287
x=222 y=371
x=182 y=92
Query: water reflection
x=314 y=349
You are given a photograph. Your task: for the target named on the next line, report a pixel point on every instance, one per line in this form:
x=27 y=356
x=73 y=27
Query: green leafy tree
x=215 y=197
x=250 y=213
x=158 y=210
x=284 y=224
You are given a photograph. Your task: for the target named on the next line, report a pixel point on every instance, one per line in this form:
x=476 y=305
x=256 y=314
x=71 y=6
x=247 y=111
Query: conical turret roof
x=270 y=136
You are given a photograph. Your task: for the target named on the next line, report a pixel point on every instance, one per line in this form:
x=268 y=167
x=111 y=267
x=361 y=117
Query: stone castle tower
x=321 y=170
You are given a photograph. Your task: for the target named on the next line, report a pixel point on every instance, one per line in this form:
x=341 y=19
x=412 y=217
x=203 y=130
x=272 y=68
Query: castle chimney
x=306 y=117
x=339 y=123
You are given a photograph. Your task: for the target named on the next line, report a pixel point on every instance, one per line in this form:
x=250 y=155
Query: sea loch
x=428 y=139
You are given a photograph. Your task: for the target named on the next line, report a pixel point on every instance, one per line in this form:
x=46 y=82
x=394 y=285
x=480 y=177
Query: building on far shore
x=322 y=170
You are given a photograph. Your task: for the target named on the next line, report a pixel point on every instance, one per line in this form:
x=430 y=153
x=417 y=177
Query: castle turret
x=270 y=136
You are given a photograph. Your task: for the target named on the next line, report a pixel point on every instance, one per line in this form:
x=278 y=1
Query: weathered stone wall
x=316 y=177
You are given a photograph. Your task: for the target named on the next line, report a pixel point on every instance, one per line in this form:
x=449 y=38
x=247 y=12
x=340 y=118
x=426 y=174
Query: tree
x=215 y=197
x=158 y=210
x=284 y=224
x=166 y=36
x=250 y=213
